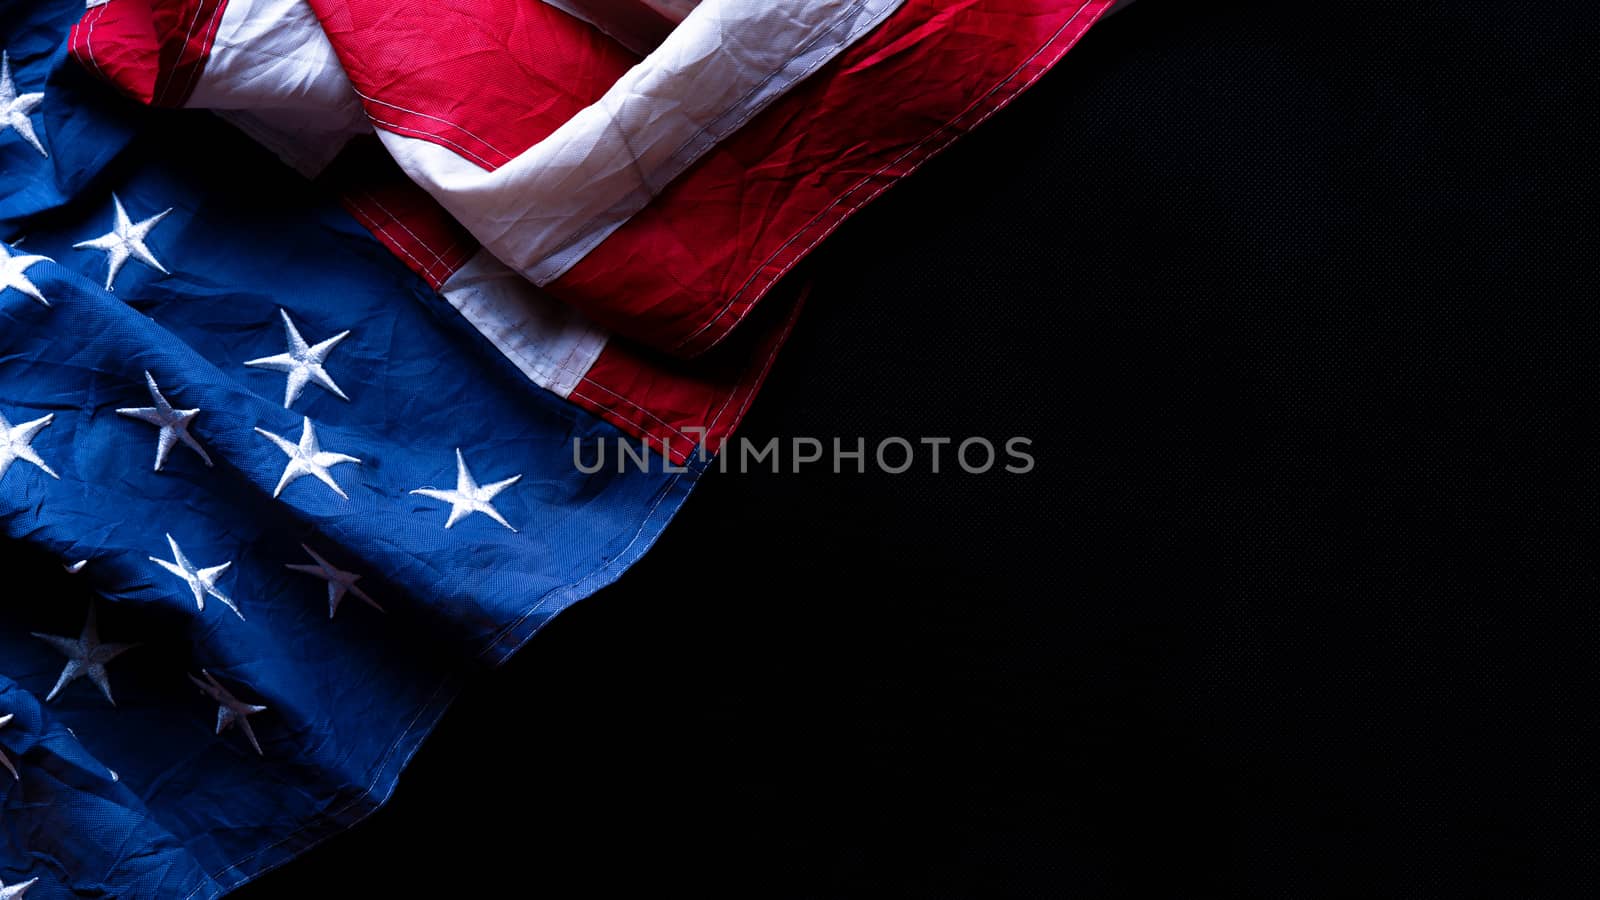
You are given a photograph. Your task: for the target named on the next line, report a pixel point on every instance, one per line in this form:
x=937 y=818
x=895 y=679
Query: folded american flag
x=287 y=444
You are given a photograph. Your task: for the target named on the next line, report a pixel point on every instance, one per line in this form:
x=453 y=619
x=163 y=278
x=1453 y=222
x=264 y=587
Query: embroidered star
x=85 y=656
x=126 y=240
x=303 y=362
x=307 y=458
x=339 y=582
x=469 y=497
x=75 y=568
x=174 y=424
x=15 y=108
x=230 y=709
x=4 y=759
x=16 y=443
x=15 y=891
x=201 y=581
x=13 y=273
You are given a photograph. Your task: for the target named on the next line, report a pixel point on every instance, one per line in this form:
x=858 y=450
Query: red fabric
x=486 y=78
x=680 y=274
x=399 y=213
x=489 y=78
x=150 y=50
x=679 y=405
x=673 y=405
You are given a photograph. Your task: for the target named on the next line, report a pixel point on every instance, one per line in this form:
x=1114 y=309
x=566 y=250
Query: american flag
x=290 y=394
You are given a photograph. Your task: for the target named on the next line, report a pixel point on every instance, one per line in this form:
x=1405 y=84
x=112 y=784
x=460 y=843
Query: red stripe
x=400 y=214
x=684 y=271
x=678 y=405
x=150 y=50
x=674 y=405
x=486 y=78
x=182 y=61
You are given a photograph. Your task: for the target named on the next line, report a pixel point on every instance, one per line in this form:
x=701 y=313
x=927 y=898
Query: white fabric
x=548 y=341
x=273 y=74
x=552 y=204
x=621 y=19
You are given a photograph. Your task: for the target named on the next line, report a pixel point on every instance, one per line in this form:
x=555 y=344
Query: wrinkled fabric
x=289 y=451
x=659 y=186
x=144 y=798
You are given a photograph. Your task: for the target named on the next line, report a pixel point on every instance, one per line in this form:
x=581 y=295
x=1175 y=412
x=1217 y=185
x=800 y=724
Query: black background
x=1298 y=305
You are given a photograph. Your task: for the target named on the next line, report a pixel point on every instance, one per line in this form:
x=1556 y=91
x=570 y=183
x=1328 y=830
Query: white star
x=307 y=458
x=339 y=582
x=303 y=362
x=75 y=568
x=230 y=710
x=16 y=443
x=201 y=581
x=174 y=424
x=85 y=656
x=124 y=240
x=14 y=107
x=15 y=891
x=4 y=759
x=469 y=497
x=13 y=273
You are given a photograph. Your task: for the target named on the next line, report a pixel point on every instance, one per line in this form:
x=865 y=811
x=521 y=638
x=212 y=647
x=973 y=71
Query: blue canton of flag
x=265 y=499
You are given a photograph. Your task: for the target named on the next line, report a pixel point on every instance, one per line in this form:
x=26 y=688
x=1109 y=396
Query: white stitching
x=205 y=50
x=644 y=430
x=481 y=161
x=425 y=245
x=372 y=224
x=194 y=20
x=435 y=118
x=438 y=260
x=585 y=379
x=88 y=43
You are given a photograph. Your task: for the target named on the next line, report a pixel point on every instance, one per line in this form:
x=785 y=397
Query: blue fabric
x=190 y=813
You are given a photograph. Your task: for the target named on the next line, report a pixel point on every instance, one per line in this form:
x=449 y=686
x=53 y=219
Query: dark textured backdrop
x=1298 y=303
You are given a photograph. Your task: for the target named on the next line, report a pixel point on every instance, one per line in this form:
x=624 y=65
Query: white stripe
x=609 y=16
x=274 y=75
x=546 y=340
x=546 y=209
